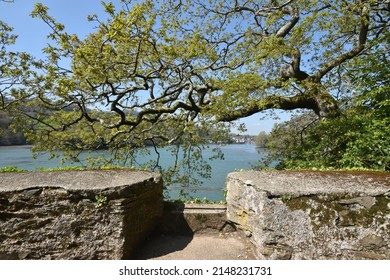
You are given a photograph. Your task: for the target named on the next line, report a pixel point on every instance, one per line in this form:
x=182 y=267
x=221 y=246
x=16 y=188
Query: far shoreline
x=14 y=146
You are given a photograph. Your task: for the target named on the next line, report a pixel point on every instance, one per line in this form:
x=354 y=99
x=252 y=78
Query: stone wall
x=182 y=219
x=77 y=214
x=313 y=215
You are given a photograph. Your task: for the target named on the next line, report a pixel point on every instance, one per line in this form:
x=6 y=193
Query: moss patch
x=326 y=210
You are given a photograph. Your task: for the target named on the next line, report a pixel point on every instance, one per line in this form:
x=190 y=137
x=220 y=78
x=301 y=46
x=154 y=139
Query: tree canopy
x=359 y=138
x=169 y=72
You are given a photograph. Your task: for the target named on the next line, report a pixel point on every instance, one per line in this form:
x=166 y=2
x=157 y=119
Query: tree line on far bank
x=7 y=136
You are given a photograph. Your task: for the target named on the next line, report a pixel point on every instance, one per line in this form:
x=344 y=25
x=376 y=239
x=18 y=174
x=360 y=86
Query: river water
x=236 y=157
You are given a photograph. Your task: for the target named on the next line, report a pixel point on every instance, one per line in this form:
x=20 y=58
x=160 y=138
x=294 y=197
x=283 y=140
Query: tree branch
x=355 y=51
x=271 y=102
x=285 y=29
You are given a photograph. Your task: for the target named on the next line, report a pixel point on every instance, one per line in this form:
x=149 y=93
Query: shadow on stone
x=172 y=234
x=195 y=232
x=159 y=244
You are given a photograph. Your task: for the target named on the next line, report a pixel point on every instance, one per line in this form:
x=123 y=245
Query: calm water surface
x=236 y=156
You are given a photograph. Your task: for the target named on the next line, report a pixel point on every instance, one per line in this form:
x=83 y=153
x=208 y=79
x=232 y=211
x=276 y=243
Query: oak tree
x=166 y=73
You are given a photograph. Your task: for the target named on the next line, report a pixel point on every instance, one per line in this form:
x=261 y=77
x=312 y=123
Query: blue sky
x=73 y=14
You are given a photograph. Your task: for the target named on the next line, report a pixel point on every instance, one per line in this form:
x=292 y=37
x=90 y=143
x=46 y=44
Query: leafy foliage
x=261 y=139
x=12 y=169
x=358 y=139
x=352 y=141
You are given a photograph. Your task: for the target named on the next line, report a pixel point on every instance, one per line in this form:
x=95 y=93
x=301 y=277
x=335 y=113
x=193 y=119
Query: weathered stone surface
x=313 y=215
x=77 y=214
x=194 y=218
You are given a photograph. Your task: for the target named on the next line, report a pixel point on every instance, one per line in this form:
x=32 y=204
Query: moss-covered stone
x=327 y=209
x=362 y=216
x=320 y=215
